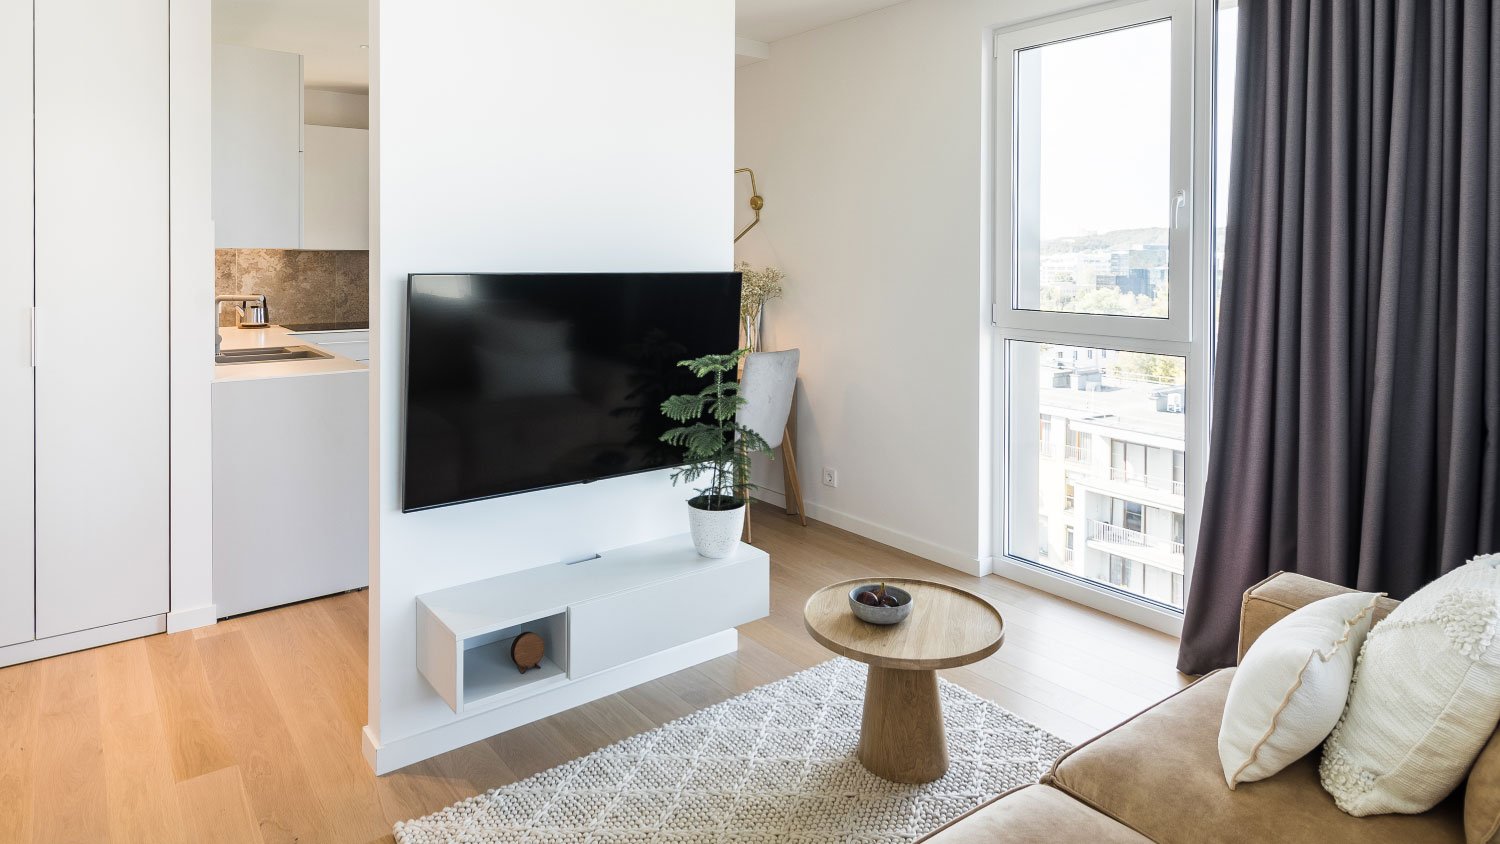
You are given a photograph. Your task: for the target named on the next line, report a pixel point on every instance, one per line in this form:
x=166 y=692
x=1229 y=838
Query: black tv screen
x=522 y=381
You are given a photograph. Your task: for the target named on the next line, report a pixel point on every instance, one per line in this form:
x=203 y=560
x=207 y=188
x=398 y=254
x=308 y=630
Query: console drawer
x=613 y=630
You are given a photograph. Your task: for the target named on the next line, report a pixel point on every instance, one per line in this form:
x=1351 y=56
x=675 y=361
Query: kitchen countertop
x=311 y=327
x=275 y=335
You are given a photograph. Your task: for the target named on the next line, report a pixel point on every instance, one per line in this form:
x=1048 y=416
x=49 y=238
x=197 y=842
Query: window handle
x=1179 y=202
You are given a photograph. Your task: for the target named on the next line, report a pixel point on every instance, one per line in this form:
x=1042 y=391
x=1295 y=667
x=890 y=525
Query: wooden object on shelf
x=526 y=651
x=901 y=734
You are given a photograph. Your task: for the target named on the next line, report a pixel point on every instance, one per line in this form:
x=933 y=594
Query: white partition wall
x=16 y=453
x=102 y=304
x=510 y=135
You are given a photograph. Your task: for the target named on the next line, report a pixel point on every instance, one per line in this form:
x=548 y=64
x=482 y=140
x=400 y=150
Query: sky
x=1105 y=122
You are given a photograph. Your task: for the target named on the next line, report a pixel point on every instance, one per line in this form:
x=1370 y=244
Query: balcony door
x=1103 y=303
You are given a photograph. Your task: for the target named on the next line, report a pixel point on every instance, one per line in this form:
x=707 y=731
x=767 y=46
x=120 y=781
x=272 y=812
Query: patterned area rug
x=775 y=764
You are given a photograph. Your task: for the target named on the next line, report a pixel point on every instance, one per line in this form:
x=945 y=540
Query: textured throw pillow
x=1291 y=687
x=1425 y=698
x=1482 y=797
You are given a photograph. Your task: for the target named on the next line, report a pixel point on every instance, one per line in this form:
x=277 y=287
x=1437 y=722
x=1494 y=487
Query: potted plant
x=716 y=448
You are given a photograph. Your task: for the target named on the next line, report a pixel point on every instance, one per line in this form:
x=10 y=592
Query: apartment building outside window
x=1106 y=256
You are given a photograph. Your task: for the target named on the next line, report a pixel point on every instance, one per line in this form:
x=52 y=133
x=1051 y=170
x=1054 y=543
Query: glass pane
x=1100 y=493
x=1093 y=173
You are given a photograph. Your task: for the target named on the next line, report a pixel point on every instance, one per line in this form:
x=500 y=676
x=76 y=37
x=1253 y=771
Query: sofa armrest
x=1274 y=598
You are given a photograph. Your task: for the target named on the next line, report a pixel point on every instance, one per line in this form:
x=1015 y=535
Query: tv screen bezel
x=406 y=382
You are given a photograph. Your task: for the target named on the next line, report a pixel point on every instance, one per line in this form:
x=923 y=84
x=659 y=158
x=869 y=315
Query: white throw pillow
x=1425 y=698
x=1291 y=687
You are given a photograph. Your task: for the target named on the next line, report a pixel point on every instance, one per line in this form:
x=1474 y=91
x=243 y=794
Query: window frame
x=1008 y=43
x=1186 y=333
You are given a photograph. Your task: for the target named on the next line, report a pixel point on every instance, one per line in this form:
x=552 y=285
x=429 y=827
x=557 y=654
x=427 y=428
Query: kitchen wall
x=486 y=155
x=335 y=108
x=301 y=285
x=869 y=141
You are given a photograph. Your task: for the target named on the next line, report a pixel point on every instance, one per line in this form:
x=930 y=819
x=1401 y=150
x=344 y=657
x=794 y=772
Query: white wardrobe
x=84 y=323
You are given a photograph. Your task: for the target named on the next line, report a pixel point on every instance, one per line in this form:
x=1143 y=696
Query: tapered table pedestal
x=901 y=734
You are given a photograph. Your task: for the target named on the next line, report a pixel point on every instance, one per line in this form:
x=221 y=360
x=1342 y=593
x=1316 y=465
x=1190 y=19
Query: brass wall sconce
x=757 y=202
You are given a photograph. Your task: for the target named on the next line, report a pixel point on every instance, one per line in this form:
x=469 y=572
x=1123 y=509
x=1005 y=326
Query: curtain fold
x=1356 y=402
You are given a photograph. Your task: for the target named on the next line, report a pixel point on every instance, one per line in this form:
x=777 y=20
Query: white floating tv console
x=594 y=615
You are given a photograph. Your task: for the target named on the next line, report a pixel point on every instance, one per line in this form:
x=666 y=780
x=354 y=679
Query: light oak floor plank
x=287 y=808
x=249 y=730
x=216 y=807
x=68 y=800
x=188 y=714
x=20 y=708
x=139 y=785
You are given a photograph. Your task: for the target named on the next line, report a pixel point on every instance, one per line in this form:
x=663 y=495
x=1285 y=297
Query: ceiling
x=773 y=20
x=328 y=33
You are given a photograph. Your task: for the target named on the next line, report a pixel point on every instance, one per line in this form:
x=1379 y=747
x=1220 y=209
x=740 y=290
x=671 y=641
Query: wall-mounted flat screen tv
x=522 y=381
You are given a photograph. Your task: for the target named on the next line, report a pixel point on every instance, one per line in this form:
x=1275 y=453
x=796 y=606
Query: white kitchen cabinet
x=17 y=451
x=257 y=148
x=101 y=212
x=83 y=246
x=353 y=344
x=291 y=487
x=336 y=188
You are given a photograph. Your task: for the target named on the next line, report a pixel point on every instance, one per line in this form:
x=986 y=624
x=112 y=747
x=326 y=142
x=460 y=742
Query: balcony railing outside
x=1078 y=460
x=1124 y=475
x=1105 y=532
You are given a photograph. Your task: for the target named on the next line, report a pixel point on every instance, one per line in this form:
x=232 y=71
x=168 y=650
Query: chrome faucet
x=251 y=312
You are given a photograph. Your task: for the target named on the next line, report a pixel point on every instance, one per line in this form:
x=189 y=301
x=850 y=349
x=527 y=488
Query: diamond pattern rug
x=775 y=764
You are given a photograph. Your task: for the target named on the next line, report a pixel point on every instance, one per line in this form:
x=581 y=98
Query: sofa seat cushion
x=1159 y=773
x=1034 y=814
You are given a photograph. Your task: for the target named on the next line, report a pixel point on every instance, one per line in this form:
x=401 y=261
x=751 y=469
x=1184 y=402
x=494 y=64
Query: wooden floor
x=249 y=730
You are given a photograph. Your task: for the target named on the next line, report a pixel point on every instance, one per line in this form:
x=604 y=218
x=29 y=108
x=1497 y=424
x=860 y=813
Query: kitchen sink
x=267 y=354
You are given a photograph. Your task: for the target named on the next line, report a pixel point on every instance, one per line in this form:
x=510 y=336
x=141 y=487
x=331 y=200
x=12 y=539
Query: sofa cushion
x=1034 y=814
x=1159 y=774
x=1425 y=698
x=1482 y=796
x=1290 y=688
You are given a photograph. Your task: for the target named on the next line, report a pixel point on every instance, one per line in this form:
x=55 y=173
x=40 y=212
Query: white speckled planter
x=715 y=531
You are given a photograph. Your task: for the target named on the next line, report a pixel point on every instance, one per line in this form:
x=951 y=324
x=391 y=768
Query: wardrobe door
x=17 y=554
x=101 y=294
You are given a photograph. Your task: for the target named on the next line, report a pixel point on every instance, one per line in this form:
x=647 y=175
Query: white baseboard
x=82 y=640
x=392 y=755
x=180 y=620
x=950 y=557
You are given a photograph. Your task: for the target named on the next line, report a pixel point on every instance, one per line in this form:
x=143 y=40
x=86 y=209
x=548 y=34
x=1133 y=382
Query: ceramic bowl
x=881 y=615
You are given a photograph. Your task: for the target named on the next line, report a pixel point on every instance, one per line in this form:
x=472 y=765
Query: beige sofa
x=1157 y=776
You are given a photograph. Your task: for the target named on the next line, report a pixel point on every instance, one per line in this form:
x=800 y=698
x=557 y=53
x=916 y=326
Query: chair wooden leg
x=790 y=454
x=786 y=475
x=746 y=537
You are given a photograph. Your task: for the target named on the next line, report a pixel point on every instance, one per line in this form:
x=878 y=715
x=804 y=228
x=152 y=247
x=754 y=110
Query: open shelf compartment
x=489 y=674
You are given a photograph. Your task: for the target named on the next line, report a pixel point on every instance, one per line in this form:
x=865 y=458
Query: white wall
x=868 y=139
x=335 y=108
x=522 y=136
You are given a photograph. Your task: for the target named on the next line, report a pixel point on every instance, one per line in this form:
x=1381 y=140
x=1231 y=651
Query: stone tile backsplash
x=301 y=285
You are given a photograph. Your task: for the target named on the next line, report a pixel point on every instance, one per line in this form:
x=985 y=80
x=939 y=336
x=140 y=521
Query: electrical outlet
x=830 y=476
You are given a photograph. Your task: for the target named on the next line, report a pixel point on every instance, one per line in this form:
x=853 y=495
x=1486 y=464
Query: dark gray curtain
x=1357 y=390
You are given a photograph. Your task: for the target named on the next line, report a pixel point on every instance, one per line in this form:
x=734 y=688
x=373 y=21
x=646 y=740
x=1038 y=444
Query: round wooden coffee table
x=901 y=736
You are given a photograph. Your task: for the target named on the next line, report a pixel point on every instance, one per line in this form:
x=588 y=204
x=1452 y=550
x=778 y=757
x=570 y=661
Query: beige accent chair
x=1157 y=776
